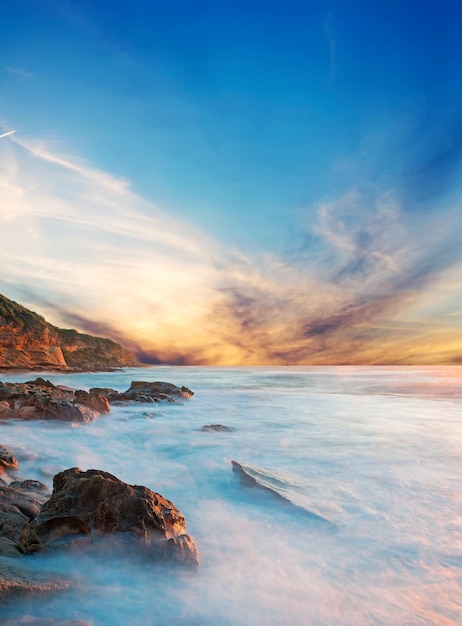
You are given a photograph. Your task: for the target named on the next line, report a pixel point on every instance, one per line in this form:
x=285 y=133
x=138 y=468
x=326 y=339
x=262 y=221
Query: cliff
x=28 y=341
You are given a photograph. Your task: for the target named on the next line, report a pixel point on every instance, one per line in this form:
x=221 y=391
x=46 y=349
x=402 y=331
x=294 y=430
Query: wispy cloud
x=40 y=149
x=18 y=71
x=363 y=301
x=81 y=246
x=101 y=201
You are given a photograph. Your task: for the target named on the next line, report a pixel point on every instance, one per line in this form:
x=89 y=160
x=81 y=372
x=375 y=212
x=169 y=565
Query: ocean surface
x=371 y=459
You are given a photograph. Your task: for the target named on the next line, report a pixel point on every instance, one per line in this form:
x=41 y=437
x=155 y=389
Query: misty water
x=371 y=457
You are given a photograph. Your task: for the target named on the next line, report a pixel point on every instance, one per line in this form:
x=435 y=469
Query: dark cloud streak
x=434 y=160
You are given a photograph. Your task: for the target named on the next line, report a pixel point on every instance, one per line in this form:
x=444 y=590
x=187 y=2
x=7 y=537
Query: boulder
x=94 y=501
x=161 y=389
x=20 y=502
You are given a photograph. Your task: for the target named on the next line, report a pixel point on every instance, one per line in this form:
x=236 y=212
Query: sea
x=359 y=522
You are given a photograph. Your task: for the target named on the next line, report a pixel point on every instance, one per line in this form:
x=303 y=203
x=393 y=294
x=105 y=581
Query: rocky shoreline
x=85 y=508
x=28 y=342
x=41 y=399
x=65 y=369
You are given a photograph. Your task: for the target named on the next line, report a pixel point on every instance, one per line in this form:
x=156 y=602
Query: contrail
x=10 y=132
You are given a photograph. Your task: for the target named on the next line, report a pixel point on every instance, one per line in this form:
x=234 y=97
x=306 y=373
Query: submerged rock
x=287 y=487
x=96 y=501
x=16 y=579
x=211 y=428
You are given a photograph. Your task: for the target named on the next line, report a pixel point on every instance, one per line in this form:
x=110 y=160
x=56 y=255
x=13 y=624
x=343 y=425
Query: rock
x=154 y=392
x=96 y=501
x=286 y=487
x=28 y=341
x=41 y=382
x=40 y=399
x=20 y=502
x=211 y=428
x=8 y=462
x=110 y=394
x=95 y=401
x=6 y=412
x=140 y=391
x=16 y=579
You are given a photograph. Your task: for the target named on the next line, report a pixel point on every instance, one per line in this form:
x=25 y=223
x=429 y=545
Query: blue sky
x=307 y=147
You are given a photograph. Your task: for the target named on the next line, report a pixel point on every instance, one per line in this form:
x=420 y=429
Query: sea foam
x=377 y=451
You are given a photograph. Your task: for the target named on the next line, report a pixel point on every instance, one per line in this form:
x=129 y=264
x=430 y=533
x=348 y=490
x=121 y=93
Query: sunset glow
x=250 y=216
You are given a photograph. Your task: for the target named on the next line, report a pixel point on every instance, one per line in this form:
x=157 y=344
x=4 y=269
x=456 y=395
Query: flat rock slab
x=286 y=487
x=16 y=579
x=141 y=391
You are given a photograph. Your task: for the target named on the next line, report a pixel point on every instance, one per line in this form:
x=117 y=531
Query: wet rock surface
x=287 y=488
x=92 y=505
x=217 y=428
x=20 y=502
x=96 y=501
x=17 y=579
x=140 y=391
x=41 y=399
x=8 y=463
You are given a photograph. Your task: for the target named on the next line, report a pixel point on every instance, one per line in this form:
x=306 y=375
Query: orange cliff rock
x=28 y=341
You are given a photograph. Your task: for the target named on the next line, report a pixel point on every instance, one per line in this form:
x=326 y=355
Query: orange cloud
x=85 y=250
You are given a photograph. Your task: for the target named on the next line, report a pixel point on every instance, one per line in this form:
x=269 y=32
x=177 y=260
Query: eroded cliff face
x=28 y=341
x=87 y=352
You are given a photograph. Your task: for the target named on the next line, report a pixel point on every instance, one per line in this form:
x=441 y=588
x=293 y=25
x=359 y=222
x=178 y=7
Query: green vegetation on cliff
x=80 y=349
x=16 y=315
x=27 y=340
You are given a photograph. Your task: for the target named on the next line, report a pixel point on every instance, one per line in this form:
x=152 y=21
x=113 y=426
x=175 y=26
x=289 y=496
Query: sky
x=237 y=183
